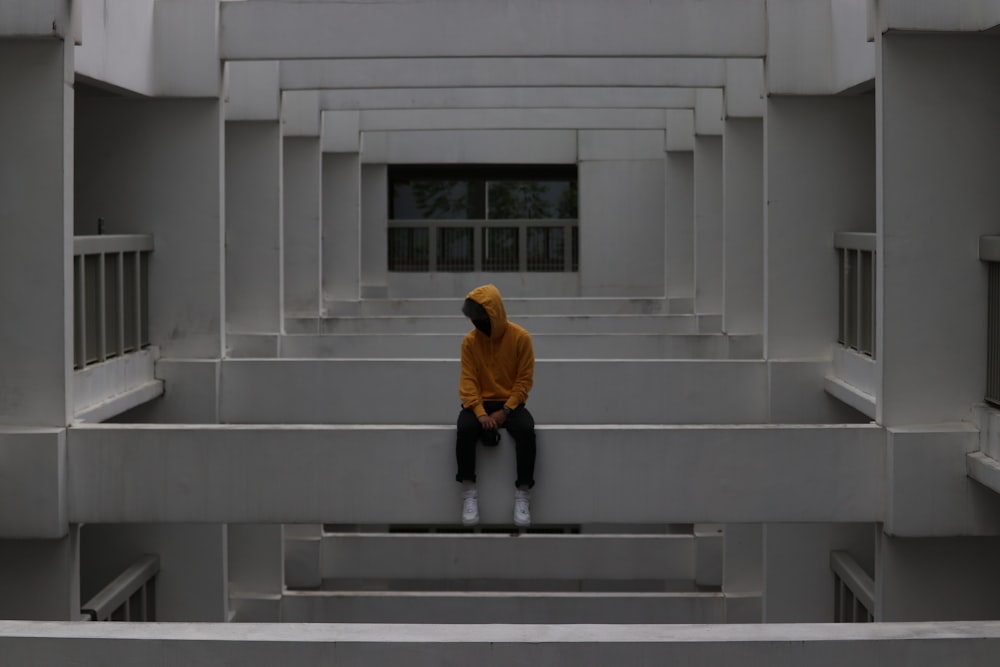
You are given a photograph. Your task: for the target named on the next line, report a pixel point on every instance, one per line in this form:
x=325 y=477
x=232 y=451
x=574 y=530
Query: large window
x=483 y=218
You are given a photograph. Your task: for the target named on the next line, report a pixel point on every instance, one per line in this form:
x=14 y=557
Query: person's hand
x=499 y=417
x=488 y=423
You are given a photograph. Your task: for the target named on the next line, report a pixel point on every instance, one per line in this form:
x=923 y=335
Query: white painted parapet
x=36 y=18
x=970 y=643
x=33 y=483
x=379 y=475
x=934 y=15
x=251 y=90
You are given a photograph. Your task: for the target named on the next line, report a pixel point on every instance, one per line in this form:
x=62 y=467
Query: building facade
x=753 y=241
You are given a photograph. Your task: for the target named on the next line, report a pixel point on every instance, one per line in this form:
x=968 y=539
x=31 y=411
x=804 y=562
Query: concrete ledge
x=852 y=396
x=970 y=644
x=483 y=607
x=378 y=475
x=984 y=470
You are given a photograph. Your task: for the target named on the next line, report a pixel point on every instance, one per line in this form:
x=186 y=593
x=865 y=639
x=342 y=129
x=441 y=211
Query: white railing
x=110 y=296
x=856 y=255
x=475 y=245
x=854 y=590
x=989 y=251
x=129 y=597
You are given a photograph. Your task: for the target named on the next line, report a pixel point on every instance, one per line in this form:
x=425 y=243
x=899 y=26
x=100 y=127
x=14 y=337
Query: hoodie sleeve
x=468 y=382
x=525 y=374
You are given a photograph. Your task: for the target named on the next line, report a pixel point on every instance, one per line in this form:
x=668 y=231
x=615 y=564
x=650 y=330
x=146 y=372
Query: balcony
x=112 y=356
x=853 y=377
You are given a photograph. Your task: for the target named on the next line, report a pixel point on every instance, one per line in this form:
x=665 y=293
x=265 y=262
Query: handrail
x=122 y=588
x=854 y=241
x=854 y=578
x=108 y=243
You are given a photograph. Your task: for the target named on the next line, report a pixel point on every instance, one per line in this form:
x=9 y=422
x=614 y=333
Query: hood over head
x=488 y=296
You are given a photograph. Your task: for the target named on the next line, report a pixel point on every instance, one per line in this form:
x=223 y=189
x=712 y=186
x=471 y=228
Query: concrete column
x=743 y=572
x=192 y=583
x=708 y=224
x=302 y=233
x=36 y=233
x=155 y=166
x=679 y=230
x=935 y=579
x=254 y=272
x=341 y=205
x=798 y=581
x=938 y=142
x=40 y=579
x=743 y=203
x=621 y=227
x=374 y=234
x=820 y=164
x=256 y=571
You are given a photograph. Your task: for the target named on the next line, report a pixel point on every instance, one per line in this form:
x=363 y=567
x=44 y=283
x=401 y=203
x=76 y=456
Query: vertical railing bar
x=874 y=294
x=432 y=241
x=843 y=297
x=102 y=308
x=138 y=301
x=81 y=295
x=477 y=248
x=121 y=304
x=522 y=246
x=858 y=285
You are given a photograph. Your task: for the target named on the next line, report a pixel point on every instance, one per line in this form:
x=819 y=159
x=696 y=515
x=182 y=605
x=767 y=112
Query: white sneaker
x=470 y=508
x=522 y=508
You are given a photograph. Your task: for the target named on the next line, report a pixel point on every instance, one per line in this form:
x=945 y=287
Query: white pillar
x=374 y=232
x=341 y=207
x=40 y=579
x=302 y=233
x=256 y=571
x=254 y=275
x=708 y=236
x=743 y=194
x=679 y=230
x=36 y=233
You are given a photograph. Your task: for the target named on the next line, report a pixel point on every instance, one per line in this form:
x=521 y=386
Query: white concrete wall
x=254 y=234
x=938 y=149
x=36 y=204
x=820 y=178
x=155 y=166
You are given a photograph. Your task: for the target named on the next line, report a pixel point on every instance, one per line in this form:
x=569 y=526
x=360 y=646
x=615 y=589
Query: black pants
x=521 y=426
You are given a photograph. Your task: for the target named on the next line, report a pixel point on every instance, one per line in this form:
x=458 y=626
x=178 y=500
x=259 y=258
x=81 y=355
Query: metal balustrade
x=472 y=245
x=131 y=596
x=856 y=257
x=854 y=590
x=110 y=296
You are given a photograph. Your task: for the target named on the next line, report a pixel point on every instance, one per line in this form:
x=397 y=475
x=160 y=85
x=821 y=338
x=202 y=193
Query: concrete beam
x=33 y=483
x=620 y=475
x=496 y=97
x=931 y=15
x=389 y=120
x=260 y=30
x=571 y=71
x=36 y=18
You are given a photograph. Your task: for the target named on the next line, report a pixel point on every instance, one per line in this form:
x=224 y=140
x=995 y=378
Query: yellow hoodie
x=497 y=367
